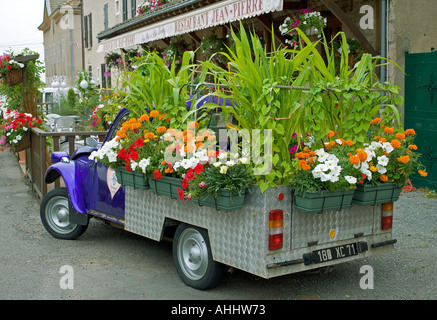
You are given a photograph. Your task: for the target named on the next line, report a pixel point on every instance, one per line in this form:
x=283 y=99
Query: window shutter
x=105 y=16
x=133 y=7
x=90 y=29
x=85 y=29
x=124 y=10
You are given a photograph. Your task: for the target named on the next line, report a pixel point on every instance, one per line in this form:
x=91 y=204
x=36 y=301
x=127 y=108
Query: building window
x=88 y=30
x=117 y=7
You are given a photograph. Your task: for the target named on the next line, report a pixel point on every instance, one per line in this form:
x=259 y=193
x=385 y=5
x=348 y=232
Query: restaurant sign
x=212 y=15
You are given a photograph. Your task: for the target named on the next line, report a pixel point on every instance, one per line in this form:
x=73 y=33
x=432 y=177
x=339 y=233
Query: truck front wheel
x=54 y=212
x=193 y=259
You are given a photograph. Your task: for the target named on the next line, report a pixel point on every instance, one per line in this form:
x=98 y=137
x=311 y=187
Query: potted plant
x=175 y=52
x=221 y=183
x=324 y=178
x=387 y=163
x=310 y=22
x=136 y=147
x=10 y=70
x=15 y=129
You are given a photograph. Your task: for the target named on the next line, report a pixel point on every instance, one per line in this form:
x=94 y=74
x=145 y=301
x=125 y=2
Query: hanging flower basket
x=14 y=77
x=165 y=186
x=23 y=144
x=323 y=201
x=375 y=194
x=227 y=200
x=134 y=179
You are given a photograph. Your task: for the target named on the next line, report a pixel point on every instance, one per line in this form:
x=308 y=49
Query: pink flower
x=202 y=185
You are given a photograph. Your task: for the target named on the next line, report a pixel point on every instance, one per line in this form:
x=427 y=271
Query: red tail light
x=276 y=229
x=387 y=216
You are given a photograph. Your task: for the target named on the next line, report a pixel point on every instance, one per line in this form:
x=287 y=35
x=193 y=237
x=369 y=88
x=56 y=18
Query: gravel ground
x=112 y=264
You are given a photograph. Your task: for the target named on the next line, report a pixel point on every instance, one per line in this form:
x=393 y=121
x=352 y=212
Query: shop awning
x=218 y=13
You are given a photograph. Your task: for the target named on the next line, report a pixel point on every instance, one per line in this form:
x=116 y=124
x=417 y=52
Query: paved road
x=109 y=263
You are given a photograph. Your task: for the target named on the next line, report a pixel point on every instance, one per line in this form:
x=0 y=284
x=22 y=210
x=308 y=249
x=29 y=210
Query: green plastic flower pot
x=371 y=195
x=323 y=201
x=134 y=179
x=227 y=200
x=166 y=186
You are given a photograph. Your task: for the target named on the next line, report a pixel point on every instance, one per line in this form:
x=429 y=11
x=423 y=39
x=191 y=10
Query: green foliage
x=155 y=86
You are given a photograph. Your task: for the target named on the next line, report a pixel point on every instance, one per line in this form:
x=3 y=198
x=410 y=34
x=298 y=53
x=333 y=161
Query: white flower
x=243 y=160
x=230 y=163
x=143 y=164
x=382 y=160
x=133 y=165
x=387 y=147
x=351 y=180
x=381 y=169
x=223 y=169
x=216 y=164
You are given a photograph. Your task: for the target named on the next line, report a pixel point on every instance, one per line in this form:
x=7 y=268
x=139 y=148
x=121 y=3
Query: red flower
x=190 y=175
x=198 y=168
x=127 y=167
x=184 y=183
x=157 y=175
x=139 y=142
x=180 y=193
x=9 y=67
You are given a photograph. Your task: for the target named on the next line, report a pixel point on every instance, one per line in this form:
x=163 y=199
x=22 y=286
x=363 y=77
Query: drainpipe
x=383 y=37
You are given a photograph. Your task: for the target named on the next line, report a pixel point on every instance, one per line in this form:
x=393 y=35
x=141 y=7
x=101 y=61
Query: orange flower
x=332 y=143
x=400 y=136
x=330 y=134
x=412 y=147
x=388 y=130
x=410 y=132
x=302 y=155
x=144 y=117
x=193 y=124
x=154 y=113
x=161 y=116
x=349 y=143
x=375 y=121
x=362 y=155
x=161 y=129
x=423 y=173
x=395 y=144
x=383 y=178
x=404 y=159
x=354 y=159
x=149 y=135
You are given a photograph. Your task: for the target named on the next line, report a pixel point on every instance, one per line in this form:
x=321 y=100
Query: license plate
x=333 y=253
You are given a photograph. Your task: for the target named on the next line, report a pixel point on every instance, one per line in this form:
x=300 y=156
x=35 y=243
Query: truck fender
x=69 y=172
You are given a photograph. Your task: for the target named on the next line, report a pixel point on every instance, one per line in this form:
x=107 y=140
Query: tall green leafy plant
x=258 y=103
x=154 y=85
x=344 y=98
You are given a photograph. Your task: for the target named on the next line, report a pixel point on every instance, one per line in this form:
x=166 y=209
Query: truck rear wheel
x=193 y=259
x=54 y=212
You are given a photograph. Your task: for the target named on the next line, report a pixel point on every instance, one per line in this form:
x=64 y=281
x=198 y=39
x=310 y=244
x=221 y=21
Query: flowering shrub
x=306 y=20
x=175 y=51
x=137 y=145
x=325 y=168
x=391 y=156
x=14 y=126
x=7 y=64
x=147 y=6
x=216 y=173
x=146 y=145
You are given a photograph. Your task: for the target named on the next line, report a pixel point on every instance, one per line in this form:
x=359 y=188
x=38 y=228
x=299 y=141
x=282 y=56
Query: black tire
x=193 y=259
x=54 y=212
